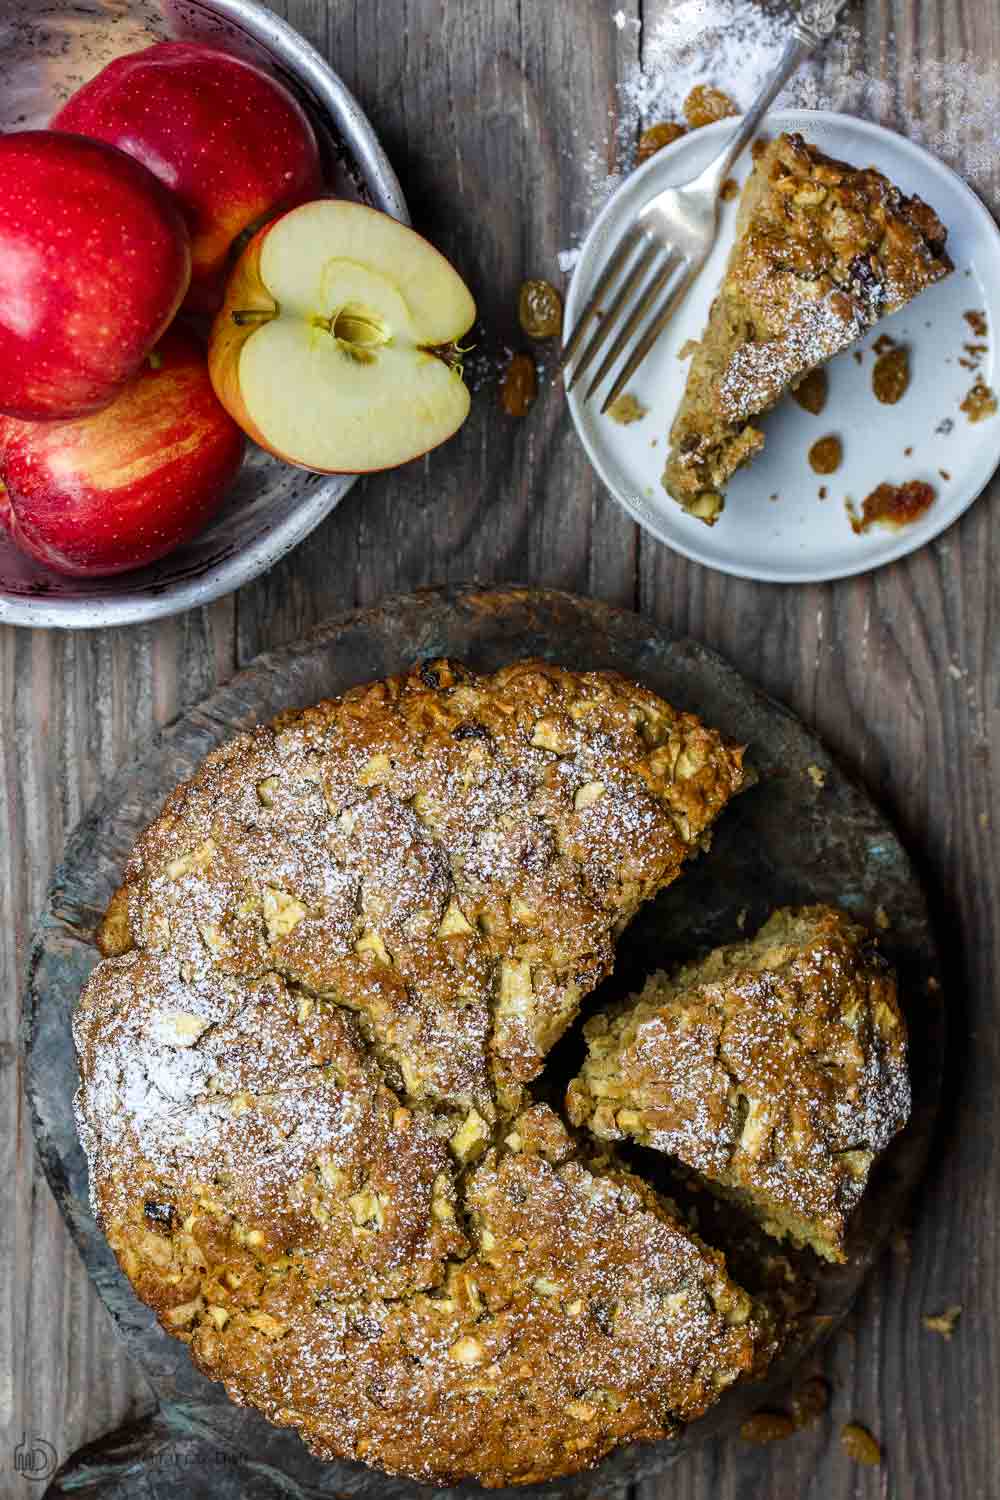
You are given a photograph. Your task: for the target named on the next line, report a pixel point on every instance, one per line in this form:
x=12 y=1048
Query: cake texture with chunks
x=775 y=1068
x=823 y=250
x=335 y=963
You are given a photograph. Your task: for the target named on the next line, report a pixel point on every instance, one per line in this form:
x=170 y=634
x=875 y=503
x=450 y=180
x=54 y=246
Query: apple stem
x=251 y=315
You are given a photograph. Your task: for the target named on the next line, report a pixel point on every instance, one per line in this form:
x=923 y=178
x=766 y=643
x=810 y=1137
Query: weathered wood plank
x=488 y=111
x=72 y=708
x=898 y=673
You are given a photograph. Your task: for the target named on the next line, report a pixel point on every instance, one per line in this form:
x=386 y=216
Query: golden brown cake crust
x=776 y=1068
x=335 y=959
x=823 y=250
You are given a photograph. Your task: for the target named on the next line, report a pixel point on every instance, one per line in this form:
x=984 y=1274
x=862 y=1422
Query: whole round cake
x=336 y=963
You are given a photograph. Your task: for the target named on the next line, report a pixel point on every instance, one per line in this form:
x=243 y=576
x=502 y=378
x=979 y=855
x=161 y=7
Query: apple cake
x=775 y=1068
x=823 y=250
x=336 y=960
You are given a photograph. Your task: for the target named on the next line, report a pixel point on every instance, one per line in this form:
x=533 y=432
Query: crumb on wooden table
x=816 y=775
x=901 y=1246
x=943 y=1322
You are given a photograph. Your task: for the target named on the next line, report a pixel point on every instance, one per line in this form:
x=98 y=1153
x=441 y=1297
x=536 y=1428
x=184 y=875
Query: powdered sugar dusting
x=351 y=939
x=776 y=1067
x=952 y=106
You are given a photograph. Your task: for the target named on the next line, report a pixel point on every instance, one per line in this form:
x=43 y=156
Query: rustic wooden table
x=487 y=109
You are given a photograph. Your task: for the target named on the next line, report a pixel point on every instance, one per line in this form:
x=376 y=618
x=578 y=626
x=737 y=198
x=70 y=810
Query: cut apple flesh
x=351 y=366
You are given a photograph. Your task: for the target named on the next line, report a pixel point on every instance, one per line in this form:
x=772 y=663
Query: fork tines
x=654 y=266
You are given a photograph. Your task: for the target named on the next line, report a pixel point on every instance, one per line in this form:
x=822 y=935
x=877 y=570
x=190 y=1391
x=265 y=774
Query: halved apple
x=336 y=347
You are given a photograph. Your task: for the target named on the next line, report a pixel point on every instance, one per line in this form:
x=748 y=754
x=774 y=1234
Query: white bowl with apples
x=212 y=315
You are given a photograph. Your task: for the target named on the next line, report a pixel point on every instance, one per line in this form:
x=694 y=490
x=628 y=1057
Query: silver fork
x=670 y=240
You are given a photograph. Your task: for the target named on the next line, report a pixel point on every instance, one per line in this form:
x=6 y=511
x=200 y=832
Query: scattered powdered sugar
x=621 y=20
x=950 y=105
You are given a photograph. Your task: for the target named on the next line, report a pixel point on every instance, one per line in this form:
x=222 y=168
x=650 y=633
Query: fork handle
x=816 y=21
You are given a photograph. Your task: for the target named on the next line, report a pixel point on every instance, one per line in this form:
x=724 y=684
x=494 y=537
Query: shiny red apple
x=94 y=262
x=120 y=488
x=226 y=137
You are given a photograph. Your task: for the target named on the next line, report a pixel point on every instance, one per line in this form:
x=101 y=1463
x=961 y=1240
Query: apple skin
x=126 y=485
x=228 y=139
x=94 y=262
x=246 y=292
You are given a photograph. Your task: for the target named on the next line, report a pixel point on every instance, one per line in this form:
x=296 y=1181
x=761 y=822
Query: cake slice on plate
x=823 y=250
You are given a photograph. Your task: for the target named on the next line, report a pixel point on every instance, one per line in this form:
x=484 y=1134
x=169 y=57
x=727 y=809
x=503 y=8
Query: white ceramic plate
x=800 y=538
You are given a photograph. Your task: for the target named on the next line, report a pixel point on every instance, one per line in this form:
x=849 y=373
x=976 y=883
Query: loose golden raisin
x=813 y=1398
x=656 y=137
x=891 y=375
x=766 y=1427
x=704 y=105
x=893 y=505
x=826 y=454
x=520 y=385
x=540 y=309
x=859 y=1444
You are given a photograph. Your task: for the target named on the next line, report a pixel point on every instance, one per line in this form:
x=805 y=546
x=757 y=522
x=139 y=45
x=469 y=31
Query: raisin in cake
x=336 y=959
x=823 y=250
x=776 y=1068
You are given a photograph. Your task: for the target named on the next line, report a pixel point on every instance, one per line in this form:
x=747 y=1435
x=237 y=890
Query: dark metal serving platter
x=803 y=832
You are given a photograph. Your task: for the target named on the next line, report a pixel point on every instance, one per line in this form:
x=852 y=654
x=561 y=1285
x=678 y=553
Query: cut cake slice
x=775 y=1068
x=823 y=250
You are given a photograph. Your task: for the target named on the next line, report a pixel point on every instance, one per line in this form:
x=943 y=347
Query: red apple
x=94 y=262
x=225 y=136
x=124 y=486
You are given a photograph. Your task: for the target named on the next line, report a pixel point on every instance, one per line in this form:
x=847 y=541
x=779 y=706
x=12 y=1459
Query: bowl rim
x=307 y=65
